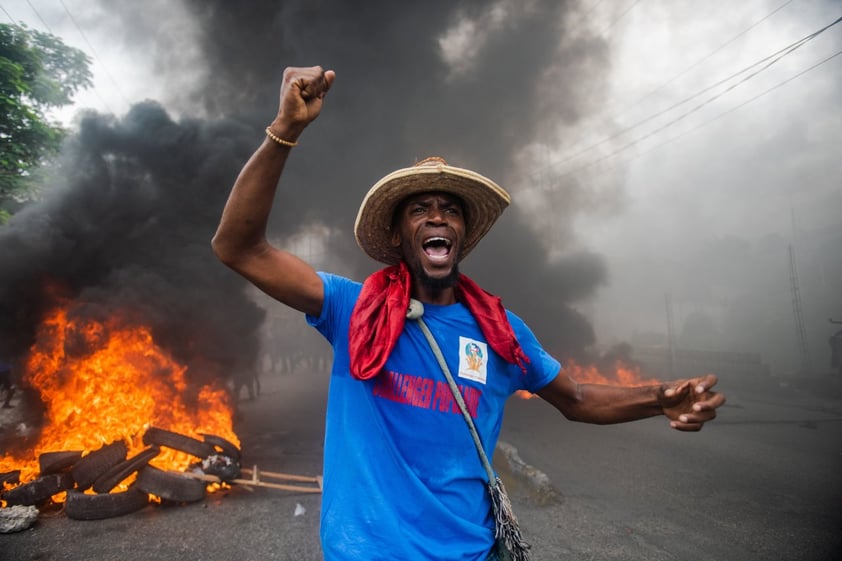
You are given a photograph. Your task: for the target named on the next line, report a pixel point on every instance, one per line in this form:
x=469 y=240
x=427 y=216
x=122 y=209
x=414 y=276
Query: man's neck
x=441 y=296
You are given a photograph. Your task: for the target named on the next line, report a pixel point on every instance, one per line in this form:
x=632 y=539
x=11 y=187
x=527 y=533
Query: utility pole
x=799 y=316
x=671 y=366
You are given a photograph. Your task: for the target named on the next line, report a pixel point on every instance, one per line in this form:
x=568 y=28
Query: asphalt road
x=762 y=483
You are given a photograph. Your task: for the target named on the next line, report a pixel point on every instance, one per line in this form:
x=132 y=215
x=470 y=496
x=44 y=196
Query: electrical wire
x=743 y=104
x=50 y=31
x=717 y=96
x=620 y=17
x=94 y=53
x=705 y=58
x=38 y=15
x=689 y=131
x=769 y=60
x=8 y=15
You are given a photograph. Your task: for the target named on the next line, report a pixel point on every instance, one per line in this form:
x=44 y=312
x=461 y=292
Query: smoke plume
x=129 y=223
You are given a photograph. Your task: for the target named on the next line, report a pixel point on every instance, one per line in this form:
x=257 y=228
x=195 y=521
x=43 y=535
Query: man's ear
x=396 y=238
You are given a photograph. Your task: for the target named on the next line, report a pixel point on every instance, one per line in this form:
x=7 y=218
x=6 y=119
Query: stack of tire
x=103 y=469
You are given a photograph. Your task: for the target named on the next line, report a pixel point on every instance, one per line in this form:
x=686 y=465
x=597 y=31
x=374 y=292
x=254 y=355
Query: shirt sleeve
x=340 y=295
x=543 y=367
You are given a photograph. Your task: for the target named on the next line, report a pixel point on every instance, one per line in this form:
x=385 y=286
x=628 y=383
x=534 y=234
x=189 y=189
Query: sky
x=660 y=153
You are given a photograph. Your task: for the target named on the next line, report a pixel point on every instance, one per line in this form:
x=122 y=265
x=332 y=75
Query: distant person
x=835 y=342
x=6 y=382
x=402 y=478
x=250 y=381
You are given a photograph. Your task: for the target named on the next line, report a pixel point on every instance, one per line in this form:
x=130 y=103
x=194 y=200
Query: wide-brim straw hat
x=484 y=201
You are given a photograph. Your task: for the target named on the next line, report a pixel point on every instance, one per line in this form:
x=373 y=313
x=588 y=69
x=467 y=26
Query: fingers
x=313 y=83
x=302 y=94
x=329 y=76
x=700 y=385
x=686 y=427
x=713 y=400
x=693 y=422
x=702 y=412
x=680 y=389
x=705 y=382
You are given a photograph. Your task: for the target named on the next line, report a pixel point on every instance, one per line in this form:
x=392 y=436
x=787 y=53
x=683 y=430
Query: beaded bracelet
x=280 y=140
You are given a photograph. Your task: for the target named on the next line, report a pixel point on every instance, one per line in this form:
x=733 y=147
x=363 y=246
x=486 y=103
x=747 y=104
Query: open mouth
x=437 y=247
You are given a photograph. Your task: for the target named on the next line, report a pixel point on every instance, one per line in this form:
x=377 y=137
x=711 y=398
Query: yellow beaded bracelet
x=280 y=140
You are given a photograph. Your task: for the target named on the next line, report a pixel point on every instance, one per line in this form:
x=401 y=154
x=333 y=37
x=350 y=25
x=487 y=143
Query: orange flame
x=623 y=375
x=103 y=381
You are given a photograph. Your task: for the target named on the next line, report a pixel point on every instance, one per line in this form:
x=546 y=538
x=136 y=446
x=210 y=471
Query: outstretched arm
x=240 y=240
x=688 y=404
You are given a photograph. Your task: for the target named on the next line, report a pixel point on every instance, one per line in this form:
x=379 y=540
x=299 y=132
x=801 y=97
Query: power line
x=50 y=31
x=769 y=60
x=694 y=129
x=743 y=104
x=621 y=16
x=8 y=15
x=712 y=99
x=38 y=15
x=706 y=57
x=590 y=10
x=94 y=53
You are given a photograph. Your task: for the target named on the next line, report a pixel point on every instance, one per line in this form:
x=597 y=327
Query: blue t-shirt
x=402 y=478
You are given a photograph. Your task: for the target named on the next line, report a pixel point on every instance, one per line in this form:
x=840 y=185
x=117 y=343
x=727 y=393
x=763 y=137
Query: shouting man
x=402 y=477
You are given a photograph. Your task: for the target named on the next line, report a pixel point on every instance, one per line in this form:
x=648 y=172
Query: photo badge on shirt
x=473 y=359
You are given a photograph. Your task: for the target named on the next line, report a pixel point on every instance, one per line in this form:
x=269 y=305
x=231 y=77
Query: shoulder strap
x=416 y=309
x=510 y=542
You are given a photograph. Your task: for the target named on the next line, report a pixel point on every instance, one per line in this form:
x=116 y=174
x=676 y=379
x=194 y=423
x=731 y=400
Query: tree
x=38 y=72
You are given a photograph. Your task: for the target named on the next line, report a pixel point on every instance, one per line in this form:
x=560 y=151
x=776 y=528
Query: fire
x=622 y=375
x=107 y=380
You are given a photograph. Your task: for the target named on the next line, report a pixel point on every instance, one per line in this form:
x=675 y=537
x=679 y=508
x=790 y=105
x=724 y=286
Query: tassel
x=510 y=542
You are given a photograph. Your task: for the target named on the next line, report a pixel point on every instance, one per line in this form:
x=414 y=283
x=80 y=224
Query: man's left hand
x=690 y=403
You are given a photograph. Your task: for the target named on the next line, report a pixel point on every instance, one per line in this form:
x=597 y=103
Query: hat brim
x=484 y=202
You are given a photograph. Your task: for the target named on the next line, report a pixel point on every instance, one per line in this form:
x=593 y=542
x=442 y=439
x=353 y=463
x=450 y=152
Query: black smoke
x=125 y=230
x=131 y=221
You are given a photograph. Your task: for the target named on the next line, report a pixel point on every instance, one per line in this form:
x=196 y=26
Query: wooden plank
x=276 y=475
x=256 y=482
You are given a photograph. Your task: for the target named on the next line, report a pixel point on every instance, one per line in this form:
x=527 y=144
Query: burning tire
x=38 y=491
x=10 y=477
x=92 y=466
x=169 y=439
x=223 y=446
x=169 y=485
x=108 y=480
x=224 y=467
x=80 y=506
x=54 y=462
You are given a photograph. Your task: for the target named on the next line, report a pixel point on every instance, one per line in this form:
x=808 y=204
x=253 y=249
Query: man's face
x=430 y=230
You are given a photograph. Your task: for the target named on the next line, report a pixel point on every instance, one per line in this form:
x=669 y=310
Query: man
x=402 y=479
x=6 y=383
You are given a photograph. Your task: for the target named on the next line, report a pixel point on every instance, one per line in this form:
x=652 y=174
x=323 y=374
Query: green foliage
x=38 y=72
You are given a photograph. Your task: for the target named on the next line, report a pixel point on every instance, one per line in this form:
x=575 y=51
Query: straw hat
x=484 y=202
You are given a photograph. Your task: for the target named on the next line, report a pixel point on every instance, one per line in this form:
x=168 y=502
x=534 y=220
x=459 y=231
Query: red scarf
x=380 y=312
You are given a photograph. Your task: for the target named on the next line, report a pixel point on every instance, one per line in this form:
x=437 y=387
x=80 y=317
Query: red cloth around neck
x=380 y=312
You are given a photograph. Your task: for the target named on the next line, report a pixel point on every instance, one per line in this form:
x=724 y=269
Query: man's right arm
x=240 y=240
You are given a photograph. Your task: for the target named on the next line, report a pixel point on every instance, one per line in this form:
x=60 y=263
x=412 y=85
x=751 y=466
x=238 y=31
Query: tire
x=222 y=446
x=10 y=477
x=81 y=506
x=38 y=491
x=176 y=441
x=54 y=462
x=92 y=466
x=224 y=467
x=170 y=486
x=111 y=478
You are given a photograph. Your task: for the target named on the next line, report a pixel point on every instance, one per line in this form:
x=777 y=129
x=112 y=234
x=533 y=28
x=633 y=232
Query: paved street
x=762 y=483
